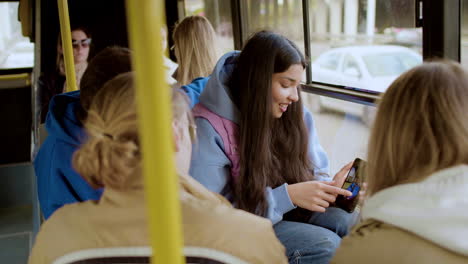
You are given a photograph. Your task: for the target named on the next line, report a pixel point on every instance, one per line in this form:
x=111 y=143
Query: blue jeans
x=314 y=241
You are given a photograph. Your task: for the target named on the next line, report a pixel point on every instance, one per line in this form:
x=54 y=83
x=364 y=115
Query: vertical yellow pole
x=154 y=114
x=65 y=32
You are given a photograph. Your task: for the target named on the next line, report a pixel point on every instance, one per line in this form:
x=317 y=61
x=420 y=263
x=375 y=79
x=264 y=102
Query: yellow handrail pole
x=25 y=77
x=65 y=33
x=155 y=115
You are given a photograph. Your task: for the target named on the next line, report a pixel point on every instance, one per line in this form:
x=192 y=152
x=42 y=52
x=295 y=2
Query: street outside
x=343 y=136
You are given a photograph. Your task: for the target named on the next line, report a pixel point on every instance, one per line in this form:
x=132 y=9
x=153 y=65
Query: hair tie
x=108 y=136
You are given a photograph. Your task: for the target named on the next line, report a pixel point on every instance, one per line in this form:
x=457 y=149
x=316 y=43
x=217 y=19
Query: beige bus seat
x=133 y=255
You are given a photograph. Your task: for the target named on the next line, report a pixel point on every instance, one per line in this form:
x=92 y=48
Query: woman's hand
x=315 y=195
x=340 y=176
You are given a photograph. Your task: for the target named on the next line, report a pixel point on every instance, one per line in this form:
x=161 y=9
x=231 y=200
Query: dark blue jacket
x=58 y=183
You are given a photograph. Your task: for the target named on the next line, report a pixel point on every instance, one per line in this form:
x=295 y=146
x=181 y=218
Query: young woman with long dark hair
x=257 y=145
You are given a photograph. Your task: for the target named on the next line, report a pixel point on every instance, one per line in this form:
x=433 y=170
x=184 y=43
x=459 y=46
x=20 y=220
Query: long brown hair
x=195 y=48
x=421 y=126
x=272 y=151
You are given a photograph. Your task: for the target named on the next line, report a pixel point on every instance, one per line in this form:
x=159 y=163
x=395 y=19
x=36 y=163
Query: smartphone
x=352 y=183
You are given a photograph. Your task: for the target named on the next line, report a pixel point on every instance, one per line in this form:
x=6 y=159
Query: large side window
x=356 y=48
x=15 y=50
x=378 y=41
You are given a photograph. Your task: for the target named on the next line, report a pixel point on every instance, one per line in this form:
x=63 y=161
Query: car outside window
x=350 y=65
x=389 y=64
x=330 y=62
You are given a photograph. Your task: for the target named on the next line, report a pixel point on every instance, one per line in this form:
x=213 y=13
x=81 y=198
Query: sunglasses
x=83 y=43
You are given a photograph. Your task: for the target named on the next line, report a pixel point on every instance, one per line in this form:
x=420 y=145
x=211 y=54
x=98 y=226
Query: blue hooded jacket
x=194 y=89
x=210 y=165
x=58 y=183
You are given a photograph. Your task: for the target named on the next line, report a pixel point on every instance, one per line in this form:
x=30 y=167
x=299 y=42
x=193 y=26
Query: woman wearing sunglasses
x=53 y=83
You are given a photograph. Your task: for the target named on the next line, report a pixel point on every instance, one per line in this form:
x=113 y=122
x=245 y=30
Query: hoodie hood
x=62 y=122
x=216 y=96
x=434 y=209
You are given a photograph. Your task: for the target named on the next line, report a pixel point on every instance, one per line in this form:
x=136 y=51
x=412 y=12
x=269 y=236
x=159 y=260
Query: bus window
x=381 y=37
x=15 y=50
x=342 y=133
x=282 y=16
x=219 y=15
x=464 y=34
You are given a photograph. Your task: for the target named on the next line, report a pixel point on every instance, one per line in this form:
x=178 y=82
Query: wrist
x=290 y=189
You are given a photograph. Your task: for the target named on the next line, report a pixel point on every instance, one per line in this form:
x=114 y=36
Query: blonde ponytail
x=110 y=157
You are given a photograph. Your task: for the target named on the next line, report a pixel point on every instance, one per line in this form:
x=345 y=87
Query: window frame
x=441 y=39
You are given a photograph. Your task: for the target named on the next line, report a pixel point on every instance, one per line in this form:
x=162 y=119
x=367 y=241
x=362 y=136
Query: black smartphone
x=352 y=183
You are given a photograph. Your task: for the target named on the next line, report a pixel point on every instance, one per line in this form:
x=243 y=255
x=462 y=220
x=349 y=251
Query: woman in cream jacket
x=417 y=210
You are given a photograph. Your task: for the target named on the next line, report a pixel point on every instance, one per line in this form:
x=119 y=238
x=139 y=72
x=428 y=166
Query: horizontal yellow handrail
x=15 y=80
x=26 y=77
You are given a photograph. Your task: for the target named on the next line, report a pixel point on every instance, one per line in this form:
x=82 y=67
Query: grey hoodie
x=210 y=165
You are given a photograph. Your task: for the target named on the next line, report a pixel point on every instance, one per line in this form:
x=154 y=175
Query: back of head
x=195 y=48
x=421 y=125
x=107 y=64
x=111 y=155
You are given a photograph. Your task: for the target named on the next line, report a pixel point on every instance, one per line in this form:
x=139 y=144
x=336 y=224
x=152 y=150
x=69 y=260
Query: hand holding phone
x=352 y=183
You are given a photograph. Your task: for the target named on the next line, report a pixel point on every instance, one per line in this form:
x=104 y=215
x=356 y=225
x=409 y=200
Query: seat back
x=134 y=255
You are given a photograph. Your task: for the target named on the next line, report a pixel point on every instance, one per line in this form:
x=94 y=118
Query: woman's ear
x=177 y=136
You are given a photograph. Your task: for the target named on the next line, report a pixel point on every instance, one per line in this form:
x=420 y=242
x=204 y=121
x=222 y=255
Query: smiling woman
x=284 y=89
x=252 y=105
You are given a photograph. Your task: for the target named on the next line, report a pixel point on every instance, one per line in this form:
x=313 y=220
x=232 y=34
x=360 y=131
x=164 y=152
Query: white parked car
x=371 y=68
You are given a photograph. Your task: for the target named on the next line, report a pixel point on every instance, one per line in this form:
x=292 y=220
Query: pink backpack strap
x=228 y=132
